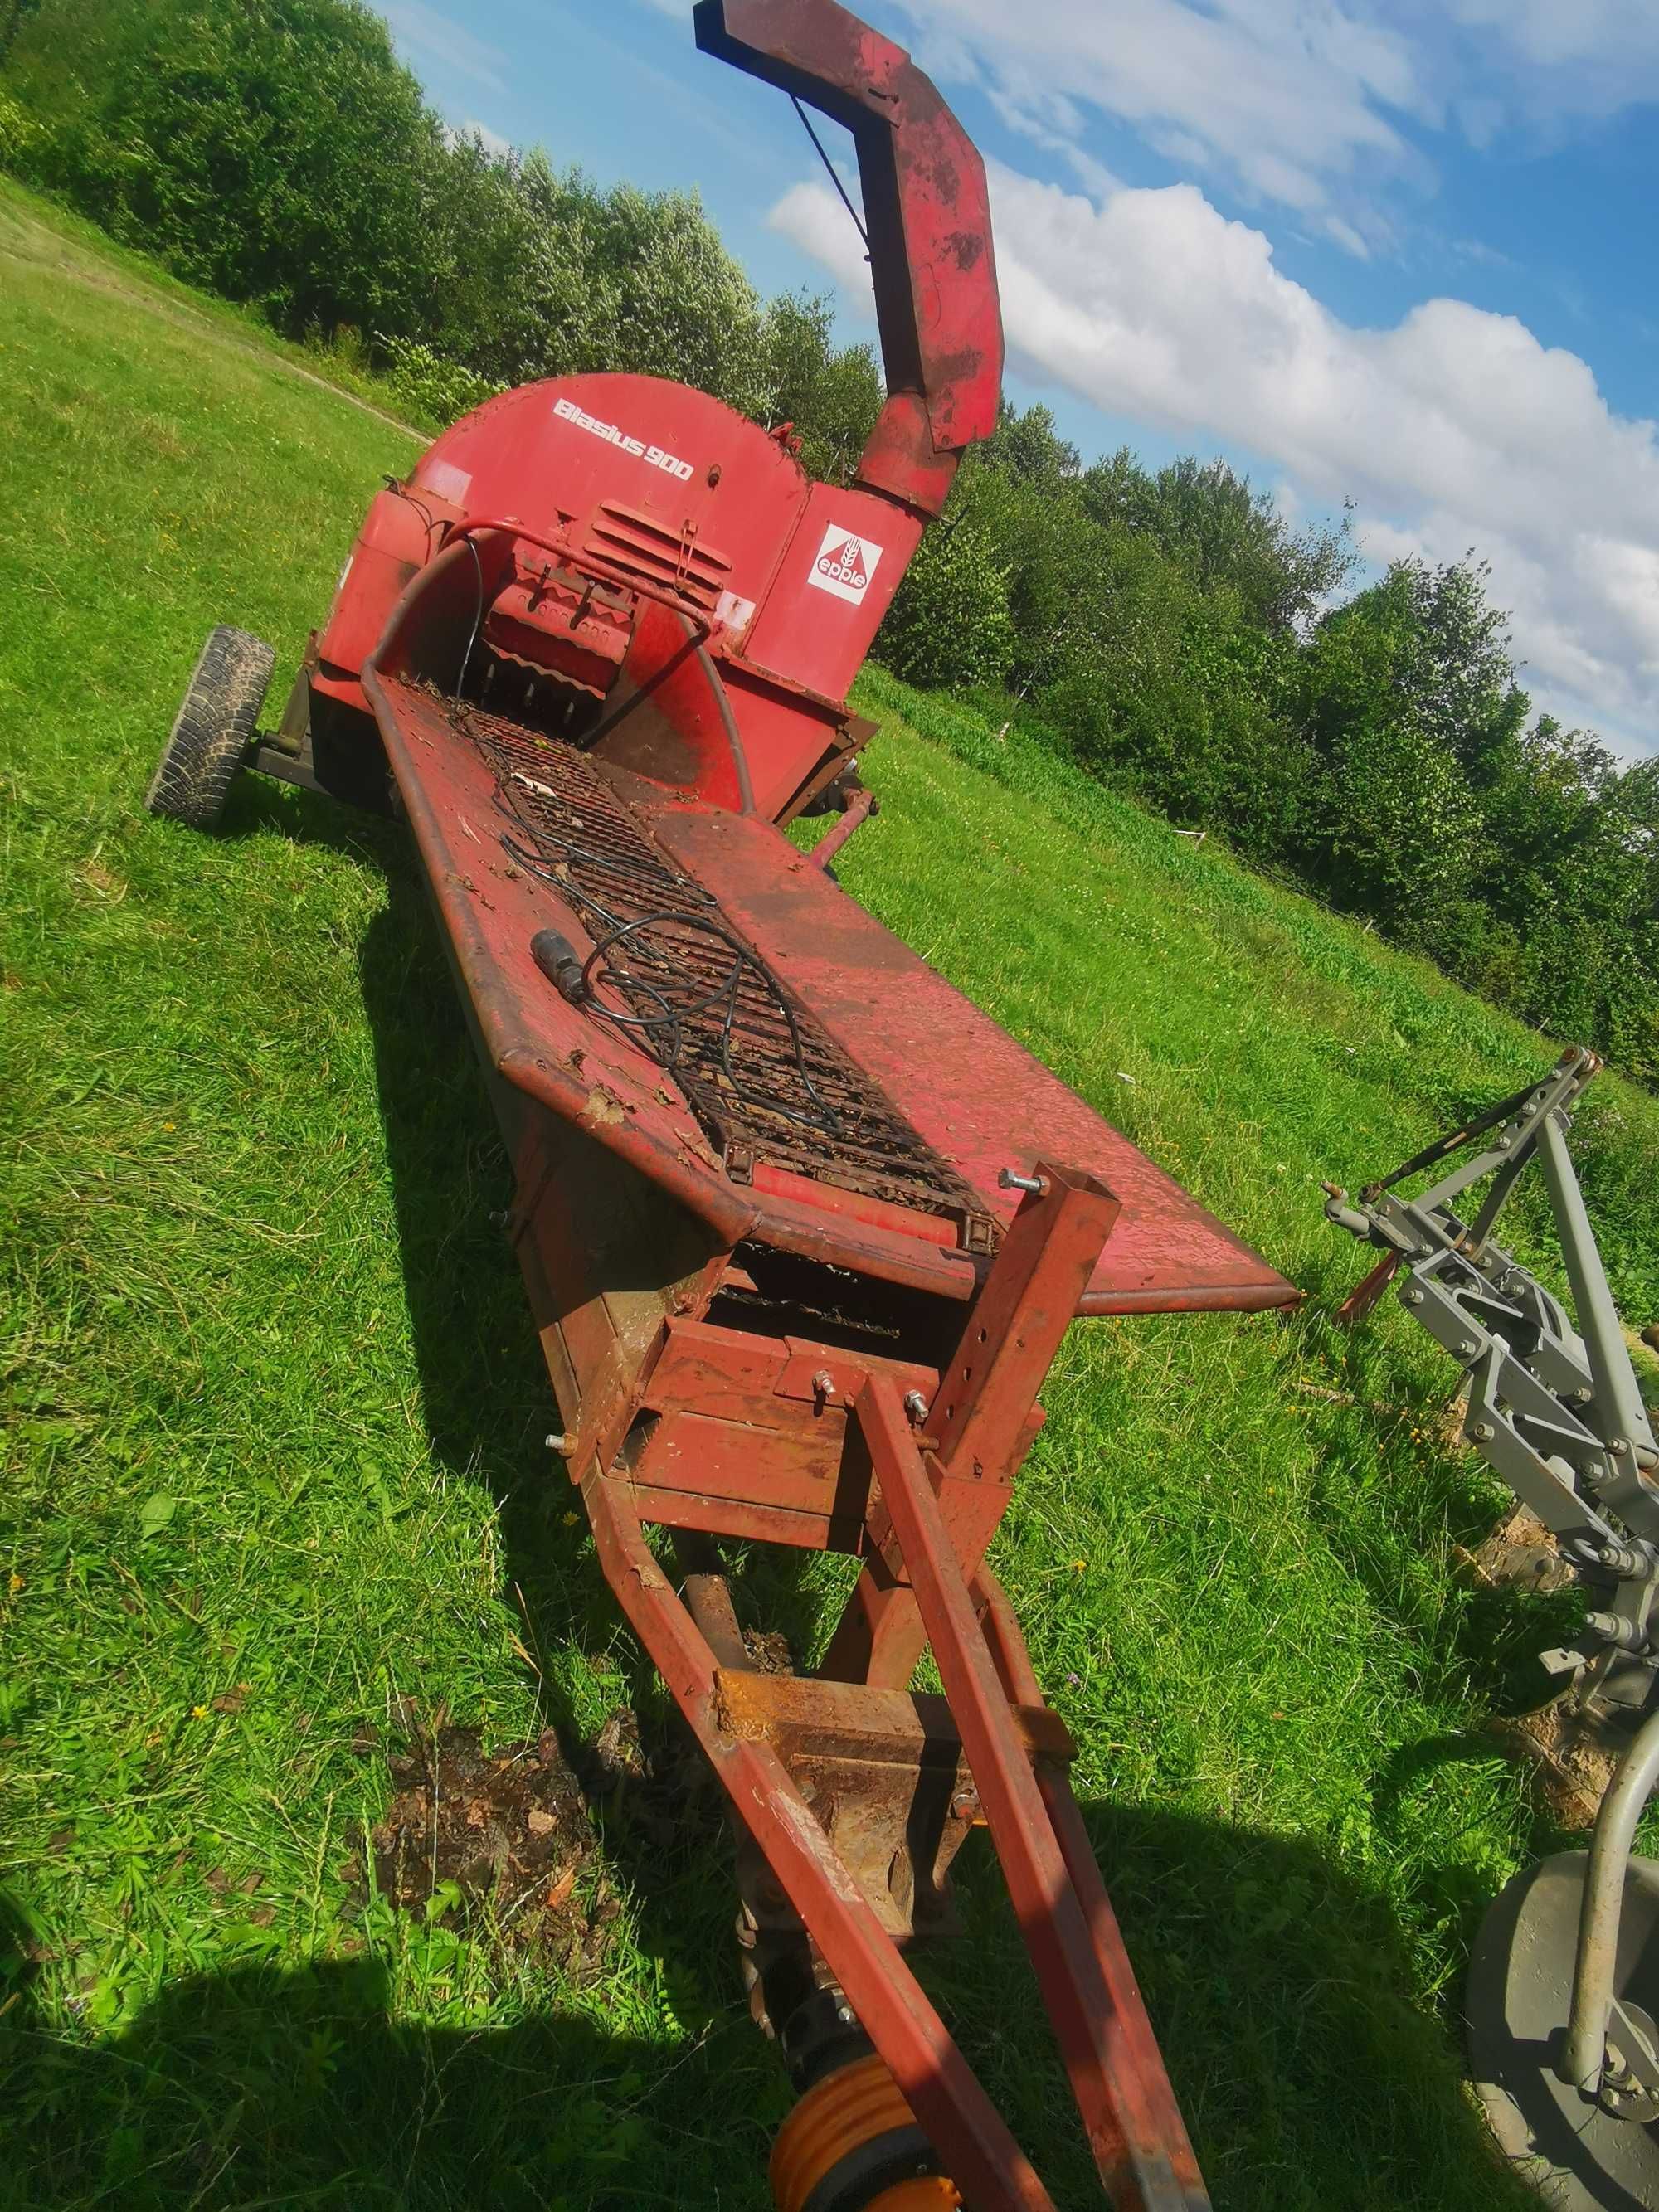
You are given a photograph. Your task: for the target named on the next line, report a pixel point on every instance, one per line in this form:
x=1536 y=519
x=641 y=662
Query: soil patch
x=506 y=1832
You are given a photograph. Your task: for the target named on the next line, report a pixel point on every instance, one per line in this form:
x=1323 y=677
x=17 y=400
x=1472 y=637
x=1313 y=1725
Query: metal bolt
x=1503 y=1144
x=823 y=1385
x=1007 y=1179
x=1412 y=1297
x=564 y=1444
x=916 y=1406
x=1469 y=1349
x=1483 y=1432
x=1530 y=1107
x=1614 y=1630
x=845 y=2015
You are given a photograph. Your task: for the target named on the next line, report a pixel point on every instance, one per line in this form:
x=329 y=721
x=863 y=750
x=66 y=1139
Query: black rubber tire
x=214 y=730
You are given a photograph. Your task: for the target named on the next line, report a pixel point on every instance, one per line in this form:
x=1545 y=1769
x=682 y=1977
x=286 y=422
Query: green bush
x=949 y=624
x=18 y=134
x=276 y=152
x=432 y=386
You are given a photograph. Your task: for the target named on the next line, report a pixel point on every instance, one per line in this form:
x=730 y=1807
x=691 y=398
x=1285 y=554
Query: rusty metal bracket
x=984 y=1414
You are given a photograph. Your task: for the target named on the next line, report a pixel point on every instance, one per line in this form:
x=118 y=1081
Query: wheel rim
x=1579 y=2155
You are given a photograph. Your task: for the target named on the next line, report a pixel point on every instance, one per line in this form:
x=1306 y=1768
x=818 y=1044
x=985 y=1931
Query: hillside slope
x=273 y=1420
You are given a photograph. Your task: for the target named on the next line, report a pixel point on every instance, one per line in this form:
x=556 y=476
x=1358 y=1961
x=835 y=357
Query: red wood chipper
x=802 y=1229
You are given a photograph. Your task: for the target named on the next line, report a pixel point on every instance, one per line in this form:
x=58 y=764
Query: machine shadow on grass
x=1276 y=1983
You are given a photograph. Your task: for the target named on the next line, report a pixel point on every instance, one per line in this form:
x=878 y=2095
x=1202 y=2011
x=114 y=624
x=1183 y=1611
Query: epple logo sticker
x=845 y=564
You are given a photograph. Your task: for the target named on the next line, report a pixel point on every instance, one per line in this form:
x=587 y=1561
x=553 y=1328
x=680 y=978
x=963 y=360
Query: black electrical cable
x=677 y=1002
x=835 y=173
x=596 y=970
x=402 y=492
x=477 y=619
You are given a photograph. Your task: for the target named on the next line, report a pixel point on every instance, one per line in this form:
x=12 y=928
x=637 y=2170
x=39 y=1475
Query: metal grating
x=763 y=1078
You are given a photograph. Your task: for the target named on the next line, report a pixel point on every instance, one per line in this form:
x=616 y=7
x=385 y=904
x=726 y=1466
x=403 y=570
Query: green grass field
x=273 y=1418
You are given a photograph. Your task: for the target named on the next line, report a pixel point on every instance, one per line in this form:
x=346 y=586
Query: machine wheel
x=214 y=729
x=1579 y=2155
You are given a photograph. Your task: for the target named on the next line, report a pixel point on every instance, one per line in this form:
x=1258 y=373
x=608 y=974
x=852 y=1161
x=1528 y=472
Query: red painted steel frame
x=936 y=2079
x=1117 y=2075
x=927 y=1507
x=663 y=594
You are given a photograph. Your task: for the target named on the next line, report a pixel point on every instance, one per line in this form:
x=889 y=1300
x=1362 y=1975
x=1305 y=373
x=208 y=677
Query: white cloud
x=491 y=140
x=1281 y=97
x=1299 y=103
x=455 y=50
x=1453 y=427
x=1572 y=56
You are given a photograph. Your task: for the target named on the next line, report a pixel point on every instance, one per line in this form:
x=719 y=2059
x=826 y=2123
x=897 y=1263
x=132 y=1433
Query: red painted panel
x=978 y=1097
x=559 y=449
x=837 y=575
x=796 y=1468
x=974 y=1093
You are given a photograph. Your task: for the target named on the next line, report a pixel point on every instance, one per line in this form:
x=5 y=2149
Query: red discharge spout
x=928 y=220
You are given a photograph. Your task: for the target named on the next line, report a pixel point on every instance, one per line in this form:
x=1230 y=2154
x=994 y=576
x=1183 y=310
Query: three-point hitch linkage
x=1564 y=1988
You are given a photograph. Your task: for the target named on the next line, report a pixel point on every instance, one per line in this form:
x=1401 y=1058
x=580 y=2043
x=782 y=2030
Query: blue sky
x=1399 y=251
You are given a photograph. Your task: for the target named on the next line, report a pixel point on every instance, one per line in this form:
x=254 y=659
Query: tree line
x=1172 y=630
x=1169 y=628
x=276 y=152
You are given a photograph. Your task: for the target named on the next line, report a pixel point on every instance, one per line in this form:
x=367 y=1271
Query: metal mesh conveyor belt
x=757 y=1070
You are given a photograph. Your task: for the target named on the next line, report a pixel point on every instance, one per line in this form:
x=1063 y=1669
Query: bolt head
x=1483 y=1432
x=1413 y=1297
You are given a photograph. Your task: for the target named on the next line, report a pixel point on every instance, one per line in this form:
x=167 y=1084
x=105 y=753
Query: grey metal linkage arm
x=1604 y=1899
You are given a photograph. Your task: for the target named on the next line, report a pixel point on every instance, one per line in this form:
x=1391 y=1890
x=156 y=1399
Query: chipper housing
x=802 y=1229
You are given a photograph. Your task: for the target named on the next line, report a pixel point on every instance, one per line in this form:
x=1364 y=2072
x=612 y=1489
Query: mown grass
x=273 y=1420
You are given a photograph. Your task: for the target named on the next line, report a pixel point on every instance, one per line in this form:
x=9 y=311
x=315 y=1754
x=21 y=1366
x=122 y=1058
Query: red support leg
x=982 y=2157
x=1143 y=2169
x=879 y=1637
x=1019 y=1678
x=1362 y=1299
x=984 y=1415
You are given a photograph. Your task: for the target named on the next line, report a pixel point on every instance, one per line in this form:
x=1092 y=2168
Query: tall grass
x=273 y=1415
